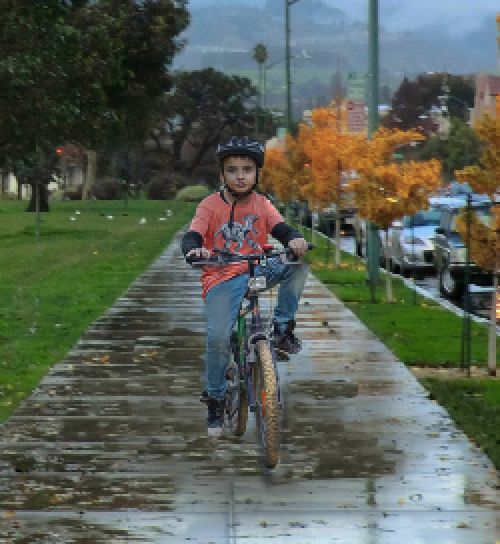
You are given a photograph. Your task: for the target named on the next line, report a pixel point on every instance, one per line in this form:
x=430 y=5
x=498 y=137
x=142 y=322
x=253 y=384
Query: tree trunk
x=44 y=199
x=492 y=336
x=337 y=237
x=388 y=277
x=90 y=173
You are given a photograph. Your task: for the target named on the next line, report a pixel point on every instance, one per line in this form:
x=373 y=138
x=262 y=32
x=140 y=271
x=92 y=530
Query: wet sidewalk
x=111 y=446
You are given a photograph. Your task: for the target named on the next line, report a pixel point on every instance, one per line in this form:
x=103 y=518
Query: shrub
x=8 y=196
x=73 y=193
x=156 y=190
x=193 y=193
x=107 y=189
x=165 y=185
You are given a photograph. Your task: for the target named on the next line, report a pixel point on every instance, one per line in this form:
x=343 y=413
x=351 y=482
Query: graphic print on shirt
x=239 y=233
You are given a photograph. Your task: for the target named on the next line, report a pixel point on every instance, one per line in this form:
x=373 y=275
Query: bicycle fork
x=247 y=347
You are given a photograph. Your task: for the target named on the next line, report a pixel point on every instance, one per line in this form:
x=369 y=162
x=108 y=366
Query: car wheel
x=359 y=247
x=448 y=285
x=394 y=266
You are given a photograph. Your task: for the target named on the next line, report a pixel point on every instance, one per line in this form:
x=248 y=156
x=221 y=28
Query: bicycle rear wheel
x=265 y=397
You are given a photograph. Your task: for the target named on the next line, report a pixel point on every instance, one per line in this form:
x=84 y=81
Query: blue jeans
x=222 y=305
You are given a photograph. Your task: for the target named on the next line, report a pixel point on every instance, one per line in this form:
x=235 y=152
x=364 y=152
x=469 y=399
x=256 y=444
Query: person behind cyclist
x=239 y=219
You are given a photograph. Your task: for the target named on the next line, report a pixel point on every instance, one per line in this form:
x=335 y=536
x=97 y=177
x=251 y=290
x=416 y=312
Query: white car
x=411 y=241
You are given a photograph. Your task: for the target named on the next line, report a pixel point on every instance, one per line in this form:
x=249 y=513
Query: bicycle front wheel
x=266 y=400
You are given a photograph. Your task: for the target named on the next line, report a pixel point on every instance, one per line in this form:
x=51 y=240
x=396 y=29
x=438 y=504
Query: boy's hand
x=200 y=252
x=298 y=246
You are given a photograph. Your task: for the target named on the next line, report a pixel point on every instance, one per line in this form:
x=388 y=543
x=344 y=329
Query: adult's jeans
x=222 y=305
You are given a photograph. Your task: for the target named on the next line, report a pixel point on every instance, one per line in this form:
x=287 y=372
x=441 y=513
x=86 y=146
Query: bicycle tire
x=265 y=397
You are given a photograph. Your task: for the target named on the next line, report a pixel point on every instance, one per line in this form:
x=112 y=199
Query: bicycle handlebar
x=224 y=257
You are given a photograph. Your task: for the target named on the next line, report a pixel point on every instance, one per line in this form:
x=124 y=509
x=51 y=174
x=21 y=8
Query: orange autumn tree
x=484 y=179
x=300 y=165
x=328 y=149
x=283 y=173
x=483 y=239
x=275 y=173
x=386 y=190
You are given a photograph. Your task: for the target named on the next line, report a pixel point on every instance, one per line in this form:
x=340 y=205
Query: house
x=487 y=97
x=73 y=171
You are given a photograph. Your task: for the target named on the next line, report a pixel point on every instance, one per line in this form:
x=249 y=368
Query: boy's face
x=239 y=173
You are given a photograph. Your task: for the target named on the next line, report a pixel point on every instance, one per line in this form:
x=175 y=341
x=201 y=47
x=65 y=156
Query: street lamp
x=288 y=84
x=303 y=55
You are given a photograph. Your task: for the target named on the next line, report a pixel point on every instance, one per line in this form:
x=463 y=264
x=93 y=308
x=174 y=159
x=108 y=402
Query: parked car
x=451 y=253
x=457 y=190
x=411 y=241
x=400 y=236
x=329 y=215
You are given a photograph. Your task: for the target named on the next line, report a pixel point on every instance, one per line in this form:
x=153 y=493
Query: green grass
x=53 y=287
x=475 y=405
x=421 y=332
x=416 y=329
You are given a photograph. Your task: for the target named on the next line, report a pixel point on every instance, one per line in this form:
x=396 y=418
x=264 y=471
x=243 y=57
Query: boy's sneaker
x=215 y=417
x=286 y=343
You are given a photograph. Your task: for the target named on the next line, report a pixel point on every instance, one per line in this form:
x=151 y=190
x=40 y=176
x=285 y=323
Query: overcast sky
x=456 y=16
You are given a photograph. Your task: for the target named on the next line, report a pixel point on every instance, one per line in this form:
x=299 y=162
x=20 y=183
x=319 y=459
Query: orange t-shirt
x=253 y=222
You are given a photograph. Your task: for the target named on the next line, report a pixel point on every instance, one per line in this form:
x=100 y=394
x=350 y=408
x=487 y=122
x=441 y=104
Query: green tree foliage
x=413 y=101
x=204 y=107
x=149 y=34
x=459 y=149
x=78 y=71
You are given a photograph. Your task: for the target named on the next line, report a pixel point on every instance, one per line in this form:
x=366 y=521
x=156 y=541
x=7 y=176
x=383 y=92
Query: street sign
x=356 y=86
x=356 y=116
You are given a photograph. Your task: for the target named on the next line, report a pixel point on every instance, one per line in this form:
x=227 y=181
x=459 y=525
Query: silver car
x=411 y=241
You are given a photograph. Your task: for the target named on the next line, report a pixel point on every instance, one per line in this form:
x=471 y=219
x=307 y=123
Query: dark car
x=450 y=253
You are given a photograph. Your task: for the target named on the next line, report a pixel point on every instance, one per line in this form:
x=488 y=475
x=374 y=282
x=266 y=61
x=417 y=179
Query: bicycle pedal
x=282 y=355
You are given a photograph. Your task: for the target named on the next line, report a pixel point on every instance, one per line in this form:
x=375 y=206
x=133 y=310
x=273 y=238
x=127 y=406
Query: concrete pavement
x=111 y=446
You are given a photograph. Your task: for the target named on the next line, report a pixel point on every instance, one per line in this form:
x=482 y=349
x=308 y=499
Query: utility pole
x=372 y=240
x=288 y=83
x=374 y=68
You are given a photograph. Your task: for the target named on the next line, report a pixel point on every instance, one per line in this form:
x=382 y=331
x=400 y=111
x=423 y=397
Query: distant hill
x=223 y=30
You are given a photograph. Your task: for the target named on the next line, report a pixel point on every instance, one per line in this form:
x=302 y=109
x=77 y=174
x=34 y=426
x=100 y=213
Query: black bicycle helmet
x=241 y=148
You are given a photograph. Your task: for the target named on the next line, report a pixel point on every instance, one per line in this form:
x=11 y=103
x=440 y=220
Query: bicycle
x=252 y=380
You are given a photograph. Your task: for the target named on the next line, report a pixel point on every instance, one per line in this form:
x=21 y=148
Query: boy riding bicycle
x=240 y=220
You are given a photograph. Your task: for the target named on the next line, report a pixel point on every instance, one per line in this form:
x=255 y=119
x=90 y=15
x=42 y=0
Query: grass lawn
x=422 y=333
x=54 y=286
